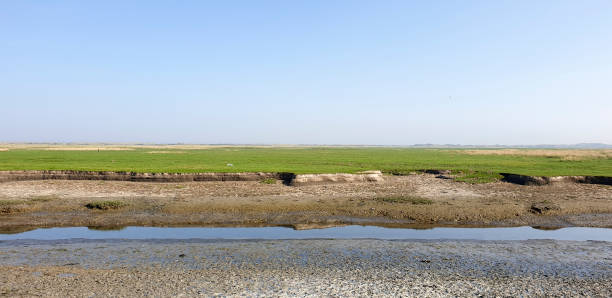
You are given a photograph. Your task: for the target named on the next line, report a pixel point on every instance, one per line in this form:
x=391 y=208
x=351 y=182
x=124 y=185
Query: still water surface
x=346 y=232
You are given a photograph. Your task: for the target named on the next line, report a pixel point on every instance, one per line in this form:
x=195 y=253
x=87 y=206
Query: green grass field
x=475 y=168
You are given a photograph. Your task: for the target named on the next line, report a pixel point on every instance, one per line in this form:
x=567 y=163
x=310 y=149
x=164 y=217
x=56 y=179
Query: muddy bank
x=19 y=224
x=398 y=200
x=542 y=180
x=375 y=268
x=286 y=178
x=6 y=176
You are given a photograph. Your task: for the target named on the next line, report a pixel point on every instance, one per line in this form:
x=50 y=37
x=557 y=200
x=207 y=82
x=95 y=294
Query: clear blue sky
x=316 y=72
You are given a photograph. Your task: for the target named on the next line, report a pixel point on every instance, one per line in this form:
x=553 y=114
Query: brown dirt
x=62 y=203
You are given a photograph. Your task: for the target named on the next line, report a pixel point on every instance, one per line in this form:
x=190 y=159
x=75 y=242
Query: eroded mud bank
x=541 y=180
x=285 y=177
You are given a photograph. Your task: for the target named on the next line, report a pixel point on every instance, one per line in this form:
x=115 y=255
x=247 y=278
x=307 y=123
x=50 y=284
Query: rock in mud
x=543 y=207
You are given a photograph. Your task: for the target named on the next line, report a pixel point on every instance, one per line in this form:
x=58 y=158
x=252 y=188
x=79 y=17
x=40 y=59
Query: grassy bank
x=310 y=160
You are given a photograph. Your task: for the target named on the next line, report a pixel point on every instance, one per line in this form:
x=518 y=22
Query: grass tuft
x=11 y=206
x=10 y=202
x=42 y=199
x=268 y=181
x=105 y=205
x=405 y=199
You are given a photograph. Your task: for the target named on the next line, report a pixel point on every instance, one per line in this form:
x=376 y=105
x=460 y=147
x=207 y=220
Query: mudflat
x=372 y=268
x=420 y=199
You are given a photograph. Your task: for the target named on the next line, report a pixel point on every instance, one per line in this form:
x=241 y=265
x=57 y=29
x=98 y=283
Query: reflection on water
x=346 y=232
x=547 y=228
x=15 y=230
x=106 y=228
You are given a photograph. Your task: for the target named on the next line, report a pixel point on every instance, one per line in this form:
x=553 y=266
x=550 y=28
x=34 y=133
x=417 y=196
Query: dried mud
x=313 y=268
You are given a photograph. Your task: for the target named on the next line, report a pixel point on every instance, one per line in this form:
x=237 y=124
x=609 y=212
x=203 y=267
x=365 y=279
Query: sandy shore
x=430 y=201
x=305 y=268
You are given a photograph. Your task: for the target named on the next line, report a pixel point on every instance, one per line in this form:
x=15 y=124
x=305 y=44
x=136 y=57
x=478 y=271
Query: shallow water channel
x=345 y=232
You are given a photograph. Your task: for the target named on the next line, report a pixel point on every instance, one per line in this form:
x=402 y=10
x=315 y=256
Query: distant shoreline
x=18 y=145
